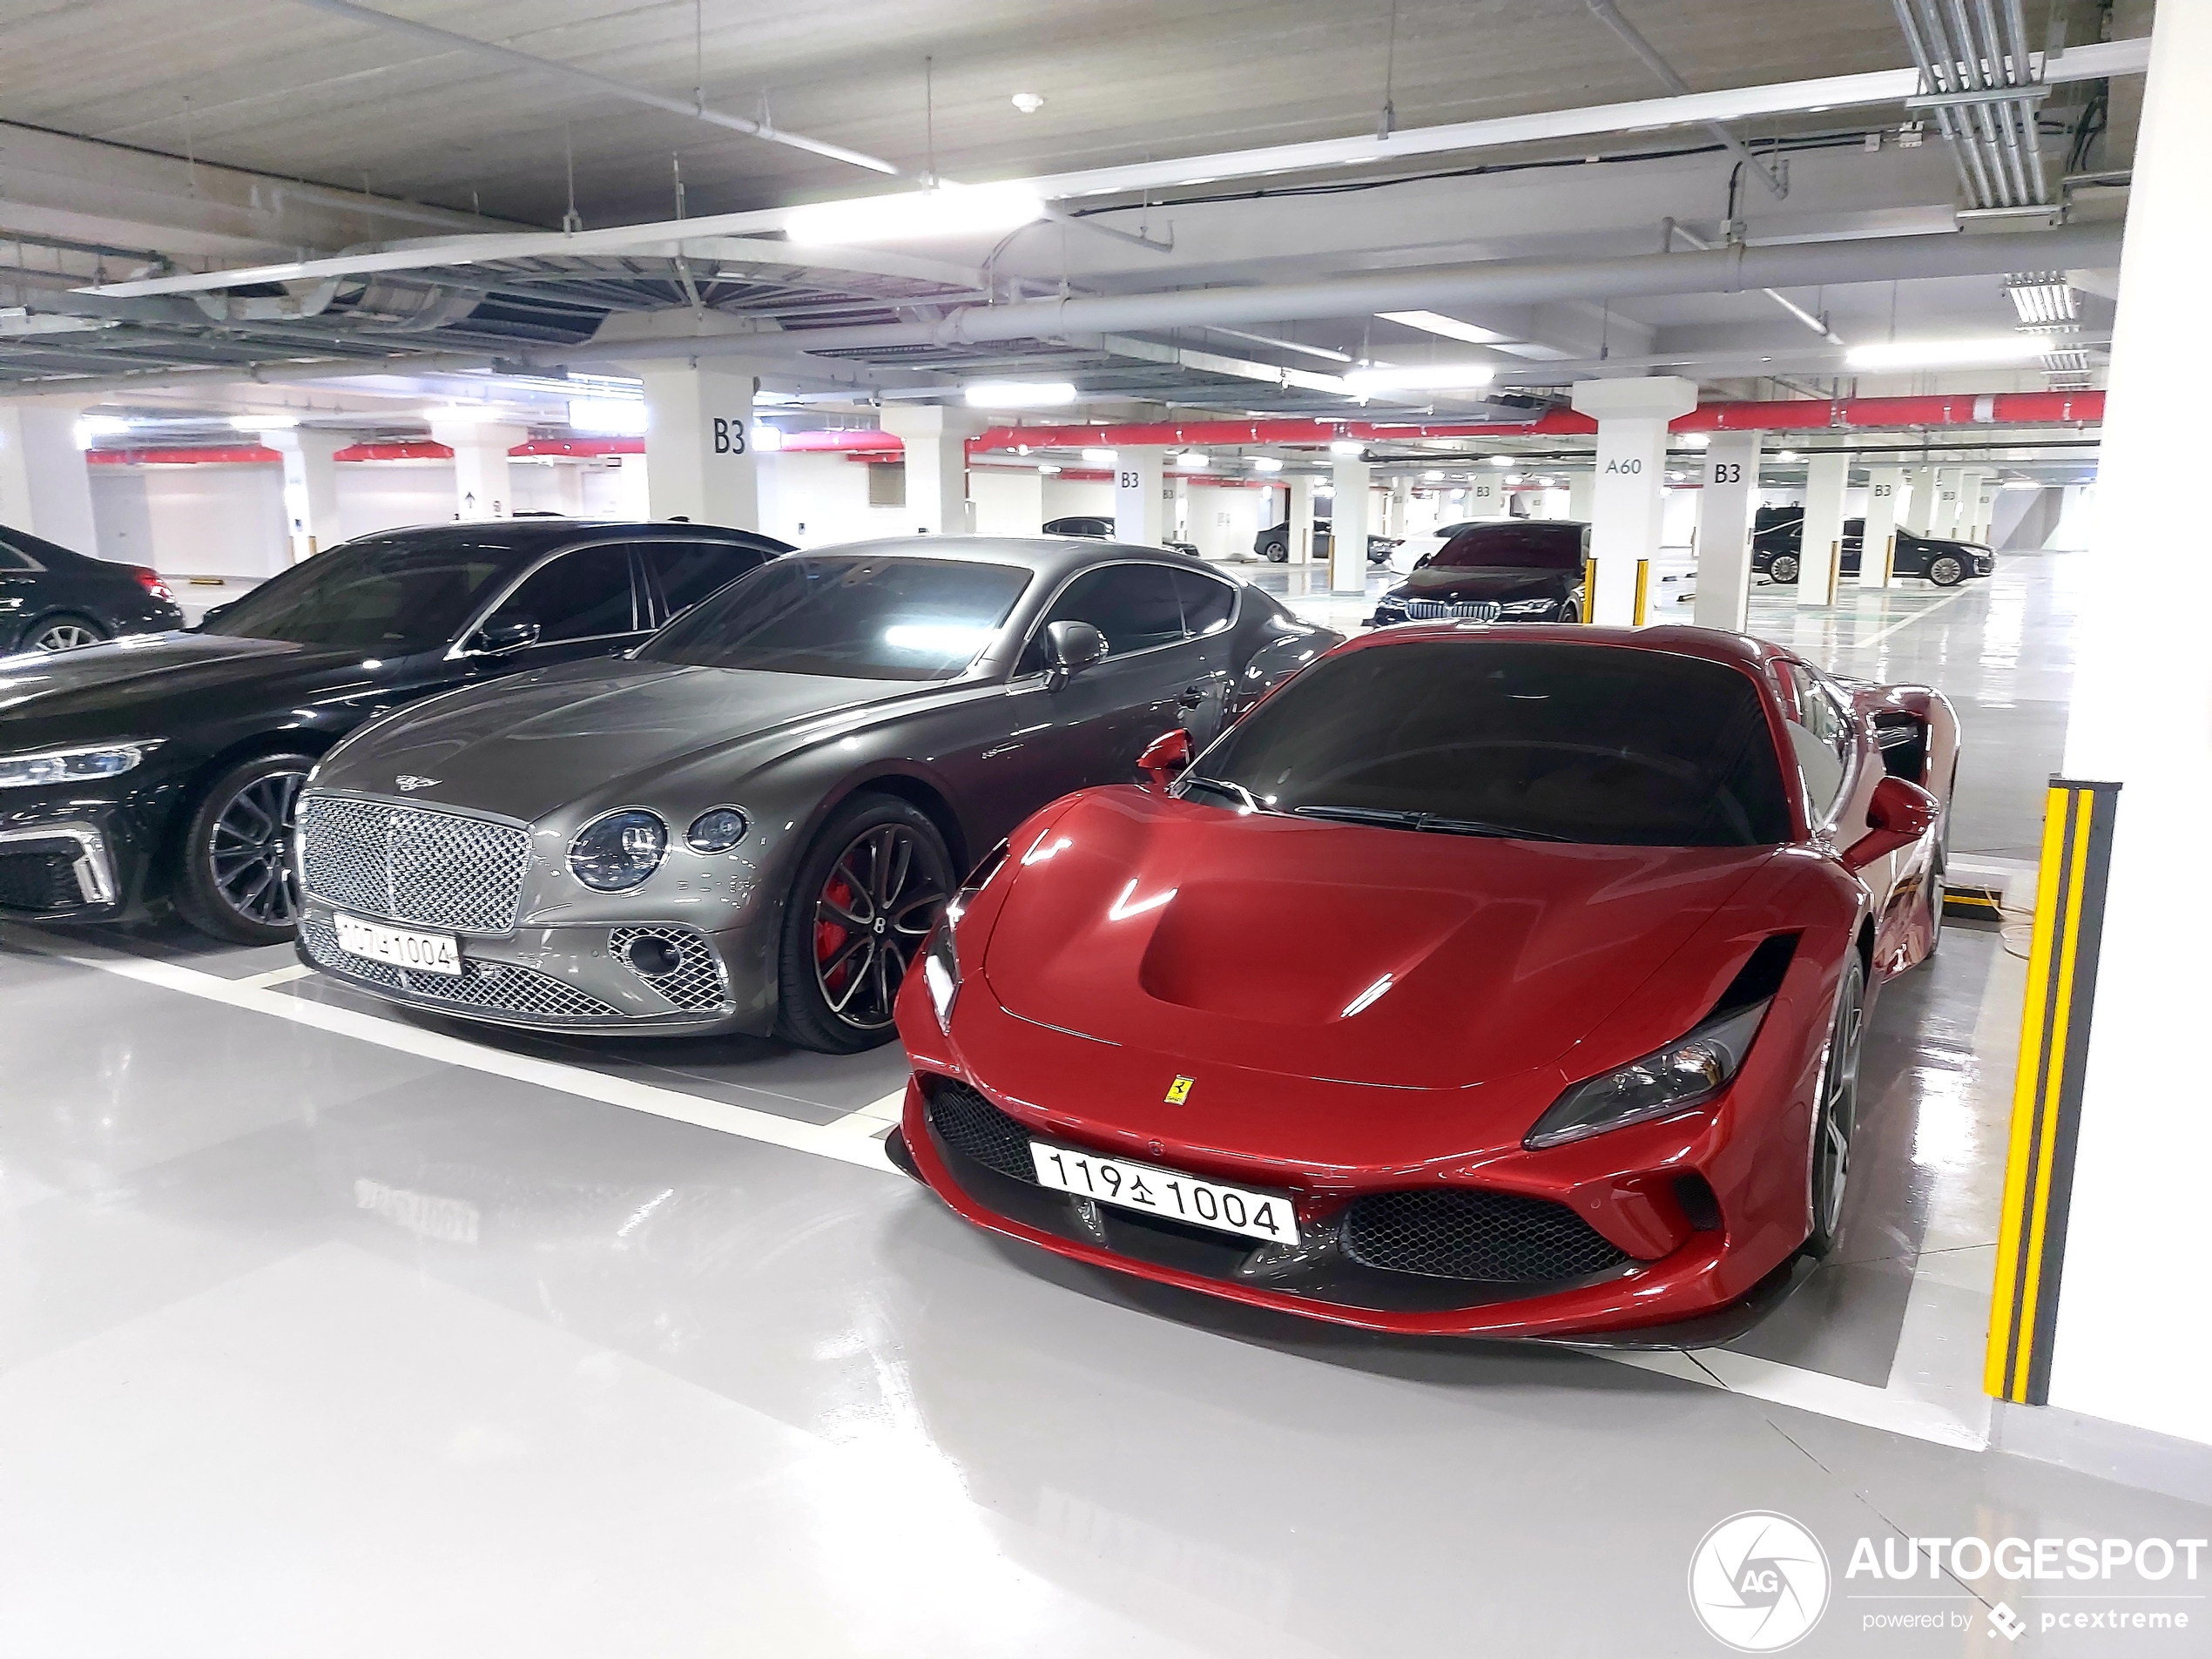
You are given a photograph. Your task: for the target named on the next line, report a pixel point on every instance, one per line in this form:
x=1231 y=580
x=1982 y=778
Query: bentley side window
x=1134 y=605
x=582 y=595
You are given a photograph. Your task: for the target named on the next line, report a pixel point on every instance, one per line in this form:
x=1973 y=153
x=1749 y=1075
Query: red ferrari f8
x=1478 y=980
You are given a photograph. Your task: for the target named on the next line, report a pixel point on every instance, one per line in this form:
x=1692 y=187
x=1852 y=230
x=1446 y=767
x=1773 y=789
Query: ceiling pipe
x=446 y=40
x=1609 y=15
x=2100 y=61
x=1732 y=269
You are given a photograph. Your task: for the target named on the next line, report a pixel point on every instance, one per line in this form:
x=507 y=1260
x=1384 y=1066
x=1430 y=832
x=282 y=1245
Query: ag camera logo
x=1758 y=1581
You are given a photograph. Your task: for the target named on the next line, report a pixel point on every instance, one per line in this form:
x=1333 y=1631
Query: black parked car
x=753 y=822
x=1093 y=527
x=1274 y=543
x=52 y=599
x=1503 y=570
x=166 y=767
x=1777 y=539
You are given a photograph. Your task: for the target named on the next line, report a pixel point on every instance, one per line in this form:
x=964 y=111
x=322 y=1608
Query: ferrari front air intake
x=1464 y=1232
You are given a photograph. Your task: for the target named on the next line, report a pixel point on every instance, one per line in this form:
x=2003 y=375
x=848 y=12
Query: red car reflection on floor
x=1479 y=981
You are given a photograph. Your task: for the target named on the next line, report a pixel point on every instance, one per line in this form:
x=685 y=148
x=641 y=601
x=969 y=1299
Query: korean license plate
x=425 y=952
x=1264 y=1215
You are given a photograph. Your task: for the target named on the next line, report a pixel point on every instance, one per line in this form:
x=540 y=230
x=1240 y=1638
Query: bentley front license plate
x=1264 y=1216
x=425 y=952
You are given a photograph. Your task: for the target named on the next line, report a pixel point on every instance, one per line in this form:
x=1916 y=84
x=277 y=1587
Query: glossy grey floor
x=331 y=1331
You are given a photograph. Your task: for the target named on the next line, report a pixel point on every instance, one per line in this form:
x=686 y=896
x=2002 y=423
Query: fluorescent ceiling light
x=1018 y=394
x=1940 y=354
x=1347 y=447
x=1500 y=461
x=614 y=416
x=1194 y=459
x=766 y=439
x=1098 y=457
x=1696 y=440
x=265 y=422
x=97 y=426
x=949 y=209
x=1027 y=102
x=1047 y=466
x=1512 y=477
x=1432 y=477
x=1788 y=454
x=1266 y=463
x=2044 y=298
x=1435 y=322
x=1400 y=377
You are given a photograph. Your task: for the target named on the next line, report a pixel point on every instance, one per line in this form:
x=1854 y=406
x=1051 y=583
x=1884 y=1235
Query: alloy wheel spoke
x=839 y=1002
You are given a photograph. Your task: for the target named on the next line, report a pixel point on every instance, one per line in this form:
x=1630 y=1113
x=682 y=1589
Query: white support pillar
x=1942 y=521
x=936 y=440
x=310 y=486
x=1725 y=509
x=568 y=487
x=1983 y=499
x=1582 y=496
x=45 y=486
x=1401 y=501
x=481 y=489
x=1827 y=475
x=1631 y=479
x=1919 y=500
x=1175 y=507
x=1136 y=496
x=701 y=457
x=2141 y=717
x=1300 y=526
x=1486 y=496
x=1348 y=528
x=1886 y=494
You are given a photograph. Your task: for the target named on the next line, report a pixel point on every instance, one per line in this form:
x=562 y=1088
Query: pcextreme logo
x=1758 y=1581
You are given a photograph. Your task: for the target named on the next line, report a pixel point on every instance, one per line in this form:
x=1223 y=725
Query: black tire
x=870 y=888
x=1570 y=612
x=234 y=879
x=1278 y=553
x=65 y=631
x=1835 y=1121
x=1946 y=570
x=1784 y=569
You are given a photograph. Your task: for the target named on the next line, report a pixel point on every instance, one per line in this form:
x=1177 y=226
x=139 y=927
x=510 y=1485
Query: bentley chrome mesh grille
x=694 y=984
x=412 y=863
x=496 y=987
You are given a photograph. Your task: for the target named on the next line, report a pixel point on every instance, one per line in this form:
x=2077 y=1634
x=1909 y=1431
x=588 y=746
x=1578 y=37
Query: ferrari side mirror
x=1899 y=814
x=1069 y=648
x=1165 y=757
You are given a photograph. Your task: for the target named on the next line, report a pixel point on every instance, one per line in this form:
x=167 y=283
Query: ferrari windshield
x=1524 y=741
x=391 y=594
x=853 y=616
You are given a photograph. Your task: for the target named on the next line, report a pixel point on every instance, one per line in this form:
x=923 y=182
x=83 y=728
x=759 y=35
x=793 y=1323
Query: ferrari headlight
x=941 y=973
x=73 y=765
x=1679 y=1076
x=616 y=852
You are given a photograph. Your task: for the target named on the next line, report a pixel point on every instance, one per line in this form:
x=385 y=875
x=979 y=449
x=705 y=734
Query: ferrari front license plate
x=425 y=952
x=1264 y=1215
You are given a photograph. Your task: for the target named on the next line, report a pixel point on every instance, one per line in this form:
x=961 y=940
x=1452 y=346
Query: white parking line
x=275 y=976
x=856 y=1138
x=1904 y=622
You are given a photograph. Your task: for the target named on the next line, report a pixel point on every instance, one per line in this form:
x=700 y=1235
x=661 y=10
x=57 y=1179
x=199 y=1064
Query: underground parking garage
x=1292 y=828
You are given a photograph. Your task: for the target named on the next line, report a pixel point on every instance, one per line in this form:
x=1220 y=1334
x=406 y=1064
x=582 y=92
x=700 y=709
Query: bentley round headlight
x=616 y=852
x=715 y=831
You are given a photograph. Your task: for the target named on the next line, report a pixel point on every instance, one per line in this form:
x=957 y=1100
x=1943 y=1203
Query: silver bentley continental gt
x=750 y=822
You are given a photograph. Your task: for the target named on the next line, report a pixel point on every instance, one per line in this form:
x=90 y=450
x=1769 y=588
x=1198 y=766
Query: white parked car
x=1419 y=545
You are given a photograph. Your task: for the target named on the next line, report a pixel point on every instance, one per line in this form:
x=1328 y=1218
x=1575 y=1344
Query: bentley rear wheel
x=236 y=881
x=1836 y=1109
x=868 y=892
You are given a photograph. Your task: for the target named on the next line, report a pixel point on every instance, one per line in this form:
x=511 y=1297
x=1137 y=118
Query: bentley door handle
x=1192 y=696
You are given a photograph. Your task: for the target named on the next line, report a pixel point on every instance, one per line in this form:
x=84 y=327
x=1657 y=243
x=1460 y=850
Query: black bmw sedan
x=52 y=599
x=1506 y=570
x=166 y=767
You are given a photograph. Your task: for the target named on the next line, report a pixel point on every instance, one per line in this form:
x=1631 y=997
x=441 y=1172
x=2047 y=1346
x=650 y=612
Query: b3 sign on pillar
x=1632 y=417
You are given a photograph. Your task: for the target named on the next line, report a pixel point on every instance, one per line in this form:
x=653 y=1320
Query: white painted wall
x=1222 y=521
x=818 y=500
x=376 y=495
x=192 y=520
x=1066 y=497
x=1009 y=501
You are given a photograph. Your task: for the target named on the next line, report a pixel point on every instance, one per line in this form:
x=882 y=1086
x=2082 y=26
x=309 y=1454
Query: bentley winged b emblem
x=409 y=783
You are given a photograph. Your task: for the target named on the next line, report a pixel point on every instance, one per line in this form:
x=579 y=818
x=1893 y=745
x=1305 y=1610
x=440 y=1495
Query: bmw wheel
x=868 y=892
x=1836 y=1109
x=1946 y=570
x=64 y=633
x=1785 y=568
x=236 y=881
x=1571 y=611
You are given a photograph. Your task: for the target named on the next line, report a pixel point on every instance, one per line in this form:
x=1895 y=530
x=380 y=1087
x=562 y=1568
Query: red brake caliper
x=829 y=937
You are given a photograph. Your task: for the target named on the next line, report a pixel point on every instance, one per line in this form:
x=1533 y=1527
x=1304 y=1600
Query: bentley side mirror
x=214 y=612
x=1899 y=814
x=497 y=637
x=1165 y=757
x=1069 y=648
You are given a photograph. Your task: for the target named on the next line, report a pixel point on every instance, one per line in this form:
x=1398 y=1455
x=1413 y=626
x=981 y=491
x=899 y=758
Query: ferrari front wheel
x=1836 y=1109
x=869 y=889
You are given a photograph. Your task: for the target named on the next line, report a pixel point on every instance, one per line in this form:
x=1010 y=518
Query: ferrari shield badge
x=1179 y=1090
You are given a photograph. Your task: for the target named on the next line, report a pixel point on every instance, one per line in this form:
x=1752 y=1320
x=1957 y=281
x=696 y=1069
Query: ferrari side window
x=1821 y=737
